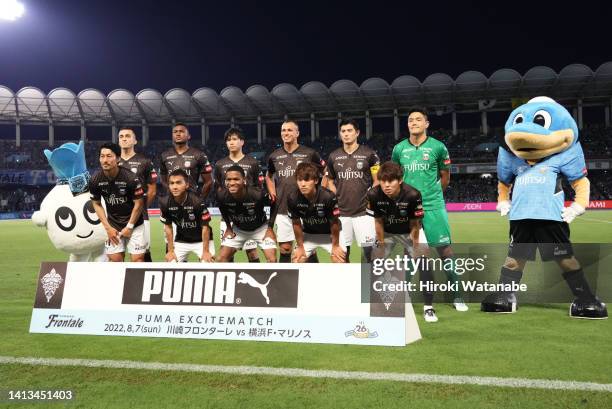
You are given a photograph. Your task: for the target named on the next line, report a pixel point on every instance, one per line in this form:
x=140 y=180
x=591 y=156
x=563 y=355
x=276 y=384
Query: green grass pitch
x=537 y=342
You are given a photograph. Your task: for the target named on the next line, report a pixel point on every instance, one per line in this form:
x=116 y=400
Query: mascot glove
x=568 y=214
x=503 y=207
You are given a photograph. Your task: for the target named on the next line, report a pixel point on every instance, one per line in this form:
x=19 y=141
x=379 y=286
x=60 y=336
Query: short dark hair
x=233 y=131
x=307 y=171
x=127 y=128
x=110 y=146
x=421 y=111
x=349 y=121
x=180 y=124
x=179 y=172
x=390 y=171
x=293 y=121
x=236 y=168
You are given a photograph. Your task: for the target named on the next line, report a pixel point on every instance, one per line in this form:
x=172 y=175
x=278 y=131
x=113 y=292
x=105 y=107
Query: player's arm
x=138 y=197
x=170 y=255
x=207 y=184
x=415 y=228
x=229 y=232
x=299 y=254
x=374 y=167
x=151 y=184
x=444 y=178
x=444 y=166
x=111 y=232
x=337 y=254
x=163 y=172
x=330 y=182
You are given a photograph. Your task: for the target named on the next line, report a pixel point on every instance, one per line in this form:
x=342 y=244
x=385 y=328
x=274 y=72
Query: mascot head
x=67 y=212
x=540 y=128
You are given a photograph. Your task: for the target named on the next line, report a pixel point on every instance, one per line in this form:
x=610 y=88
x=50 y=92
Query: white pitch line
x=595 y=220
x=550 y=384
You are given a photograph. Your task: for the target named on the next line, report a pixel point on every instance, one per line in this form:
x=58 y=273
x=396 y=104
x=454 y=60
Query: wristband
x=130 y=226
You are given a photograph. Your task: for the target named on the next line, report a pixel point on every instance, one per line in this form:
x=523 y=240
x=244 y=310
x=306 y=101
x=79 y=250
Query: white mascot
x=67 y=211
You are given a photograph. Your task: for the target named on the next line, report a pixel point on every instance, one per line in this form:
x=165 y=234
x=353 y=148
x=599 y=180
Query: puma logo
x=244 y=278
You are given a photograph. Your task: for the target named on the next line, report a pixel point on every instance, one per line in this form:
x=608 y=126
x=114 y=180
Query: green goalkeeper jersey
x=422 y=165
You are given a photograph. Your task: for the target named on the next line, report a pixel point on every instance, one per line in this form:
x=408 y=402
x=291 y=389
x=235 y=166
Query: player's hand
x=207 y=257
x=503 y=207
x=299 y=255
x=229 y=234
x=270 y=234
x=272 y=197
x=337 y=254
x=113 y=235
x=126 y=232
x=568 y=214
x=170 y=256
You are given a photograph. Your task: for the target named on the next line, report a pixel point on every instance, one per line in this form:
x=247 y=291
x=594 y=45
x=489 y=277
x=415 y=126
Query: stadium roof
x=470 y=91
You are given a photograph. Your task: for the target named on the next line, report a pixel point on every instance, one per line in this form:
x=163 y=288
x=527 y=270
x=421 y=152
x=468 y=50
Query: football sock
x=578 y=284
x=255 y=260
x=313 y=258
x=508 y=276
x=426 y=275
x=348 y=254
x=147 y=257
x=285 y=258
x=452 y=276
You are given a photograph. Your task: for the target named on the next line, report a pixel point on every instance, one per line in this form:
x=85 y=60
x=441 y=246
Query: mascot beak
x=532 y=142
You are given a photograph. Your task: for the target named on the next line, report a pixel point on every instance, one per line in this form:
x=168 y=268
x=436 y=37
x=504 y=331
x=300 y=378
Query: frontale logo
x=221 y=287
x=51 y=282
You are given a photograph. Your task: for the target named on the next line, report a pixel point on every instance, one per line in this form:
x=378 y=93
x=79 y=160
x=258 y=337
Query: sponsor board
x=268 y=302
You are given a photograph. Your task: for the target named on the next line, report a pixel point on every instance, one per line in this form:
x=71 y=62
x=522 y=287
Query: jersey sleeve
x=416 y=206
x=256 y=175
x=333 y=211
x=204 y=213
x=217 y=175
x=443 y=158
x=573 y=166
x=204 y=163
x=94 y=190
x=372 y=208
x=331 y=172
x=271 y=168
x=395 y=154
x=136 y=190
x=505 y=168
x=164 y=215
x=163 y=170
x=292 y=211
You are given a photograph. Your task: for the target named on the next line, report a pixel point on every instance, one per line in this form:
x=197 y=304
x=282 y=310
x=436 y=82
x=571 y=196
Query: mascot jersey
x=536 y=190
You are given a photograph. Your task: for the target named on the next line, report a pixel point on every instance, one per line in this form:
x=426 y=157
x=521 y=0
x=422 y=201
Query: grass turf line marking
x=310 y=373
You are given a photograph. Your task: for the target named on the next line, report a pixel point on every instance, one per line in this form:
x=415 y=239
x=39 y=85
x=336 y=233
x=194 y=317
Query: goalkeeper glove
x=503 y=207
x=568 y=214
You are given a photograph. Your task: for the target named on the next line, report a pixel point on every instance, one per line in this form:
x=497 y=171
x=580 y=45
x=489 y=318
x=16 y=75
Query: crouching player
x=397 y=209
x=187 y=211
x=314 y=212
x=242 y=209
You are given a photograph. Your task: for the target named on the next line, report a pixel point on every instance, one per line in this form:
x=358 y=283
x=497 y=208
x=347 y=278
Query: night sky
x=191 y=44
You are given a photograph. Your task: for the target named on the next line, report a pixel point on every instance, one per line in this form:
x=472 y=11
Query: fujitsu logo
x=287 y=172
x=315 y=220
x=396 y=220
x=415 y=166
x=115 y=200
x=188 y=225
x=350 y=174
x=243 y=219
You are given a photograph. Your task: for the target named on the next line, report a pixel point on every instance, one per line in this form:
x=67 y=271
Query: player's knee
x=285 y=248
x=514 y=264
x=569 y=264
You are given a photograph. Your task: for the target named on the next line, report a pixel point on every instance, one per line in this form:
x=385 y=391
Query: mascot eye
x=542 y=118
x=65 y=218
x=90 y=213
x=518 y=119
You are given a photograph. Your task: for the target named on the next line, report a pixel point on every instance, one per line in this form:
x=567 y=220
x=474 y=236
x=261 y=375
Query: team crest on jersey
x=403 y=212
x=251 y=212
x=359 y=165
x=121 y=191
x=425 y=156
x=191 y=216
x=134 y=170
x=187 y=163
x=320 y=213
x=543 y=169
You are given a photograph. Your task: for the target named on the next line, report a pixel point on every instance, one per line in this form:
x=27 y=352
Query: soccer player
x=280 y=181
x=314 y=213
x=397 y=210
x=242 y=209
x=234 y=140
x=351 y=171
x=426 y=166
x=189 y=214
x=193 y=161
x=142 y=167
x=123 y=196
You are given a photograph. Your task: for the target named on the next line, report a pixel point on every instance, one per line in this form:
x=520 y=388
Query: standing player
x=142 y=167
x=351 y=171
x=123 y=196
x=426 y=166
x=193 y=161
x=234 y=140
x=189 y=214
x=242 y=208
x=314 y=213
x=280 y=181
x=398 y=210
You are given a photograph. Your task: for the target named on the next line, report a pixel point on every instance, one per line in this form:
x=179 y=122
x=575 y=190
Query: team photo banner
x=314 y=303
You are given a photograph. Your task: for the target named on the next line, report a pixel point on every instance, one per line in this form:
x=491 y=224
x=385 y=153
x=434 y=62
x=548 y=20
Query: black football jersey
x=317 y=215
x=119 y=195
x=246 y=213
x=282 y=166
x=193 y=161
x=398 y=212
x=188 y=216
x=143 y=168
x=249 y=164
x=352 y=177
